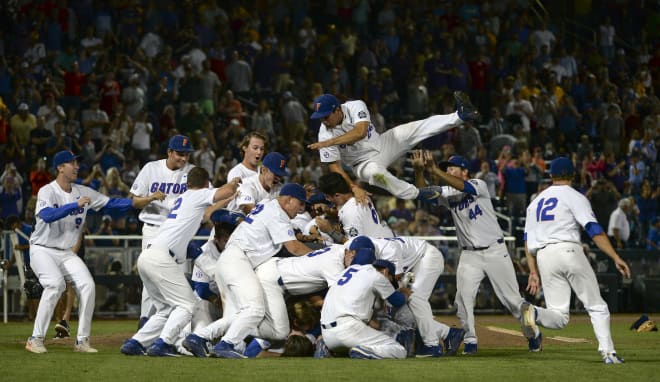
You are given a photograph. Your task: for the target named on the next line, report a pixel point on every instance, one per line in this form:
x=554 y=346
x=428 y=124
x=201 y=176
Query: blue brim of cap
x=281 y=174
x=183 y=150
x=320 y=114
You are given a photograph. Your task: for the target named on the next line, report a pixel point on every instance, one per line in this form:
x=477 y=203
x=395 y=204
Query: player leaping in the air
x=347 y=135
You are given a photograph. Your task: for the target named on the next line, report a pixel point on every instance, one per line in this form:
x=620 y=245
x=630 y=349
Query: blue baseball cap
x=294 y=190
x=561 y=166
x=324 y=105
x=365 y=252
x=276 y=163
x=455 y=160
x=226 y=216
x=318 y=197
x=64 y=156
x=180 y=143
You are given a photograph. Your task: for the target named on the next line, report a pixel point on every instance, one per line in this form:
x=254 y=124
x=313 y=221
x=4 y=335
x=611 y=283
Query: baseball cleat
x=612 y=358
x=62 y=330
x=322 y=350
x=470 y=349
x=197 y=345
x=465 y=109
x=82 y=346
x=226 y=350
x=529 y=327
x=255 y=347
x=426 y=351
x=536 y=344
x=132 y=347
x=35 y=345
x=406 y=338
x=358 y=352
x=453 y=340
x=161 y=348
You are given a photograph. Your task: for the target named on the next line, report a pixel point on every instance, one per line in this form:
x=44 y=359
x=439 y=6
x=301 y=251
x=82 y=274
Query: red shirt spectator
x=39 y=176
x=110 y=93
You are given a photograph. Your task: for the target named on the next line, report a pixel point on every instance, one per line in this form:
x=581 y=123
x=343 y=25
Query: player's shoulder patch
x=291 y=233
x=362 y=114
x=474 y=181
x=352 y=232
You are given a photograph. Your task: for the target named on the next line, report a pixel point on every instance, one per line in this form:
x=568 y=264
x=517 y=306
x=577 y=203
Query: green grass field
x=501 y=357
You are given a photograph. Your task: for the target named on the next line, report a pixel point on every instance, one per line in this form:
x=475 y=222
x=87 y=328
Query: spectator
x=133 y=96
x=619 y=228
x=401 y=211
x=294 y=118
x=95 y=120
x=141 y=137
x=515 y=188
x=11 y=197
x=22 y=123
x=210 y=86
x=109 y=93
x=262 y=119
x=59 y=140
x=239 y=74
x=231 y=108
x=519 y=111
x=491 y=179
x=51 y=112
x=653 y=236
x=636 y=172
x=647 y=203
x=204 y=156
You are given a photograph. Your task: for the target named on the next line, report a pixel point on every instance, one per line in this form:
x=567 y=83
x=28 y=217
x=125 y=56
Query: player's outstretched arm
x=603 y=243
x=358 y=133
x=140 y=202
x=533 y=281
x=214 y=207
x=297 y=248
x=227 y=191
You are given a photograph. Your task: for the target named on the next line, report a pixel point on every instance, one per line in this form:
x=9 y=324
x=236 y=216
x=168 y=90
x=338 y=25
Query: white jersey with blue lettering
x=155 y=176
x=63 y=233
x=240 y=171
x=204 y=267
x=262 y=232
x=354 y=294
x=313 y=272
x=354 y=153
x=183 y=222
x=555 y=216
x=474 y=215
x=250 y=191
x=358 y=219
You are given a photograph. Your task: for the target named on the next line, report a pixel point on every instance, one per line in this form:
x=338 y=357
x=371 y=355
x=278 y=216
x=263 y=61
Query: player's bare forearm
x=358 y=133
x=418 y=164
x=297 y=248
x=533 y=281
x=603 y=243
x=227 y=191
x=140 y=202
x=360 y=194
x=449 y=180
x=208 y=211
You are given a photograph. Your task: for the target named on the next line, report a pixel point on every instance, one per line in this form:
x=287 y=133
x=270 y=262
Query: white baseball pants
x=173 y=297
x=562 y=267
x=147 y=308
x=473 y=266
x=52 y=267
x=393 y=144
x=350 y=332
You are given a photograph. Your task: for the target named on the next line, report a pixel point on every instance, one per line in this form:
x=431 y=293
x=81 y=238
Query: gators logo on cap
x=184 y=142
x=318 y=106
x=282 y=163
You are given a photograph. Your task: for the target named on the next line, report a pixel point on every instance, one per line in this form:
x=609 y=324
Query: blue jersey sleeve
x=51 y=214
x=119 y=204
x=397 y=299
x=593 y=229
x=202 y=289
x=469 y=188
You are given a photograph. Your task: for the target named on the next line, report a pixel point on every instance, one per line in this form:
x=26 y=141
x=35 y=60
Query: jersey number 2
x=177 y=204
x=543 y=209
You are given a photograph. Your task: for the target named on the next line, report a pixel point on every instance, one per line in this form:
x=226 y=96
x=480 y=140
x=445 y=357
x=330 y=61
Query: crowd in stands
x=113 y=80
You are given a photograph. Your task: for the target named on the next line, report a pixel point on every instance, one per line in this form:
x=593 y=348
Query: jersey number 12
x=543 y=209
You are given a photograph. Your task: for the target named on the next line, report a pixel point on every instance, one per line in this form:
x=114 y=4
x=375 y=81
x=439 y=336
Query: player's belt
x=333 y=324
x=499 y=241
x=151 y=225
x=280 y=282
x=169 y=250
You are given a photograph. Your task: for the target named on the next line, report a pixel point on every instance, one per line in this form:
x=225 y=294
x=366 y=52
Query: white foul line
x=519 y=334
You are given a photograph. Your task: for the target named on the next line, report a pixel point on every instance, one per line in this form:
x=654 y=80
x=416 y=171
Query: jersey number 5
x=347 y=276
x=543 y=209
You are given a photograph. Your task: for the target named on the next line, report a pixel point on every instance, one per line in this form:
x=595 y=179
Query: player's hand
x=158 y=195
x=417 y=159
x=622 y=267
x=533 y=284
x=406 y=292
x=84 y=200
x=235 y=182
x=316 y=146
x=323 y=224
x=361 y=195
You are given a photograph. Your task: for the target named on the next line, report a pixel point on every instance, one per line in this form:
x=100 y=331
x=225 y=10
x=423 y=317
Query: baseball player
x=426 y=263
x=292 y=275
x=62 y=206
x=347 y=134
x=349 y=305
x=167 y=176
x=258 y=238
x=483 y=250
x=356 y=219
x=253 y=148
x=160 y=271
x=553 y=249
x=261 y=187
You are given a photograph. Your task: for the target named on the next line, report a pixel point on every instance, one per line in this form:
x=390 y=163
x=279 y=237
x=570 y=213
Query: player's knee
x=598 y=310
x=55 y=287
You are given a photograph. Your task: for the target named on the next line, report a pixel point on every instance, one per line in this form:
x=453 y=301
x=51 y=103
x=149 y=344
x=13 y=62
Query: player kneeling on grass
x=348 y=307
x=62 y=206
x=552 y=245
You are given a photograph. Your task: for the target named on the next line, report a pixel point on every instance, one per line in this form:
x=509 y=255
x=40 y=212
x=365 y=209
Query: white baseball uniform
x=258 y=238
x=52 y=259
x=251 y=191
x=161 y=274
x=156 y=176
x=358 y=219
x=348 y=307
x=552 y=231
x=240 y=171
x=483 y=254
x=427 y=263
x=371 y=156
